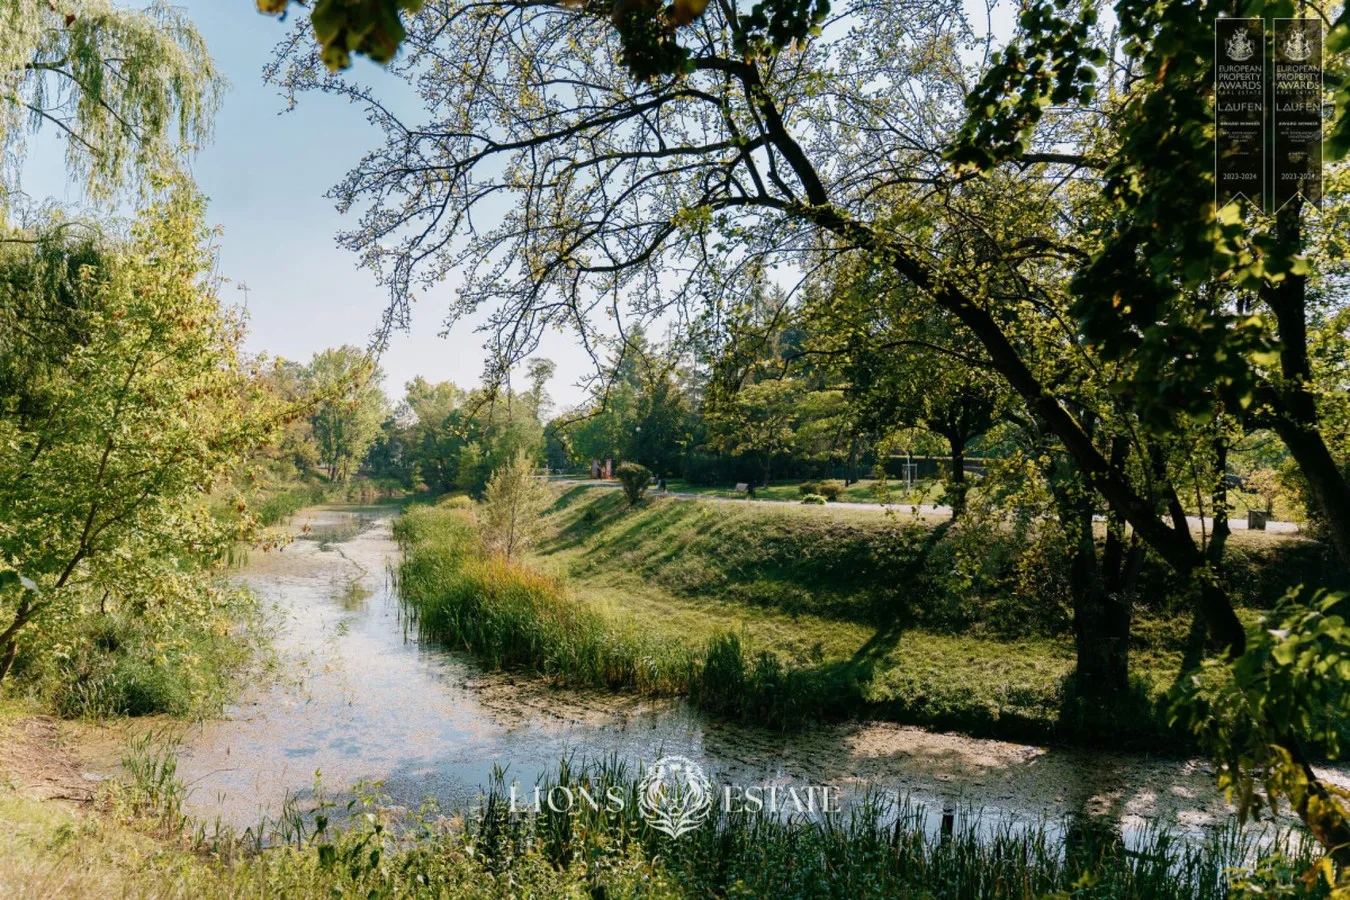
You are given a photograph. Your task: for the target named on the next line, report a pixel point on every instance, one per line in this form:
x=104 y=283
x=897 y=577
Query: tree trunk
x=956 y=488
x=7 y=660
x=1222 y=530
x=1101 y=610
x=1296 y=418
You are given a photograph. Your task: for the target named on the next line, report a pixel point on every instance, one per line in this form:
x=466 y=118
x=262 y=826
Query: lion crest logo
x=1240 y=47
x=1297 y=47
x=675 y=797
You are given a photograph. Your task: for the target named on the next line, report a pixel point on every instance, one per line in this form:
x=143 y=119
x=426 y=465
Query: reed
x=511 y=616
x=881 y=847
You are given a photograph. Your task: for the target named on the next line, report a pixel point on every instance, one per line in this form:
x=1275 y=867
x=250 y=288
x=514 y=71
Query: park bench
x=742 y=488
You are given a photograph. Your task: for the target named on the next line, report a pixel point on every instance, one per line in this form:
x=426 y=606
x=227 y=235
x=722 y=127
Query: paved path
x=1237 y=524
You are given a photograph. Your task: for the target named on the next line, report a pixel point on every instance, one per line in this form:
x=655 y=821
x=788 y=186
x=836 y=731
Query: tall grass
x=511 y=616
x=880 y=847
x=280 y=507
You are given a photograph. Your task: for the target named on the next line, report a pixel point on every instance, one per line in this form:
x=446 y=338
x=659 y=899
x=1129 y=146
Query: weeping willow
x=130 y=91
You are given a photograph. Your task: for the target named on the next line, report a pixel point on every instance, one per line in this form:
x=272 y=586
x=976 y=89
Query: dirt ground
x=39 y=761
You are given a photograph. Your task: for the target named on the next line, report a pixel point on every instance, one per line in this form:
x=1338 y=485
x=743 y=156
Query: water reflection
x=369 y=703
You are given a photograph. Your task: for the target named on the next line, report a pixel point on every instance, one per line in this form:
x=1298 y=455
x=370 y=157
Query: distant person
x=661 y=484
x=750 y=491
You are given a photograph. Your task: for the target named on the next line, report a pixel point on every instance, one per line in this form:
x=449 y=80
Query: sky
x=266 y=174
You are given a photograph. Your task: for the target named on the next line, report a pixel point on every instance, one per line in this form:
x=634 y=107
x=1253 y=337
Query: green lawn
x=853 y=596
x=864 y=491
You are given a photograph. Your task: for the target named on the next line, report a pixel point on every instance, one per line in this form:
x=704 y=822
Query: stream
x=361 y=700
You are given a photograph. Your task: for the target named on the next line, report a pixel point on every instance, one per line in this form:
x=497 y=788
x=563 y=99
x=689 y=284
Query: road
x=1237 y=524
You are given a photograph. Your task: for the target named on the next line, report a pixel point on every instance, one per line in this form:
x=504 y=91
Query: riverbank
x=364 y=701
x=787 y=615
x=132 y=845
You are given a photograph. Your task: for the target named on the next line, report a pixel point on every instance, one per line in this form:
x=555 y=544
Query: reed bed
x=879 y=847
x=513 y=617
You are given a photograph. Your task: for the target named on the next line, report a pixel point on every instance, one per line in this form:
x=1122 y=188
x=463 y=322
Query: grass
x=862 y=491
x=512 y=616
x=784 y=615
x=882 y=847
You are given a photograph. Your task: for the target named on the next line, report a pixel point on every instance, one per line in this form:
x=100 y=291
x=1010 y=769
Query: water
x=360 y=699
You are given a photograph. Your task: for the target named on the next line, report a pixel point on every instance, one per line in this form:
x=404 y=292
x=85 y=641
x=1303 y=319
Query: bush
x=635 y=479
x=813 y=500
x=808 y=487
x=831 y=490
x=128 y=662
x=513 y=504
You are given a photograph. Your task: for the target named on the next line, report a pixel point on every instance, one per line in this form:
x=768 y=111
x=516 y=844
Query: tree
x=635 y=479
x=125 y=397
x=129 y=90
x=758 y=420
x=514 y=502
x=350 y=408
x=1102 y=210
x=538 y=373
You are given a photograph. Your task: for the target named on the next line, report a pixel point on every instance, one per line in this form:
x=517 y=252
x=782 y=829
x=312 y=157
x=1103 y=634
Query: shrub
x=635 y=479
x=813 y=500
x=126 y=662
x=808 y=487
x=831 y=490
x=514 y=502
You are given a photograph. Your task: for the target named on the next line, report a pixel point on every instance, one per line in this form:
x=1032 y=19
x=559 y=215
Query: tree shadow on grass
x=866 y=658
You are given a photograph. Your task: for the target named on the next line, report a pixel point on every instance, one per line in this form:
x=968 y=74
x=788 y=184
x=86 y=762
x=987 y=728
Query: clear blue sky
x=266 y=174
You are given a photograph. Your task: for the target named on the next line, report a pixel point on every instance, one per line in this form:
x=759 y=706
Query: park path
x=907 y=509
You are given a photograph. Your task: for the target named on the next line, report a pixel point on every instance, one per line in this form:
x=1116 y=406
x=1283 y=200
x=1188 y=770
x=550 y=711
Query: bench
x=742 y=488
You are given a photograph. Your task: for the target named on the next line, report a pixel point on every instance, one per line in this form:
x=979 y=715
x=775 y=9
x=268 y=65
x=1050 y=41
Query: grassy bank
x=134 y=843
x=786 y=615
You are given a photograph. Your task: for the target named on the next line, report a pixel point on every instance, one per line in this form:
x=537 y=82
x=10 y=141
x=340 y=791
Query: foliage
x=760 y=420
x=644 y=413
x=142 y=403
x=1288 y=691
x=350 y=408
x=647 y=32
x=1265 y=483
x=512 y=504
x=129 y=89
x=635 y=479
x=831 y=490
x=813 y=499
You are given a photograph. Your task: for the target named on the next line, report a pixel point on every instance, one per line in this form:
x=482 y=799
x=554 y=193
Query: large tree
x=125 y=399
x=675 y=192
x=128 y=90
x=349 y=408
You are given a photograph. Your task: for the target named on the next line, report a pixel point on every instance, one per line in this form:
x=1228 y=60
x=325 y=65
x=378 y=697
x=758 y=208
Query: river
x=361 y=700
